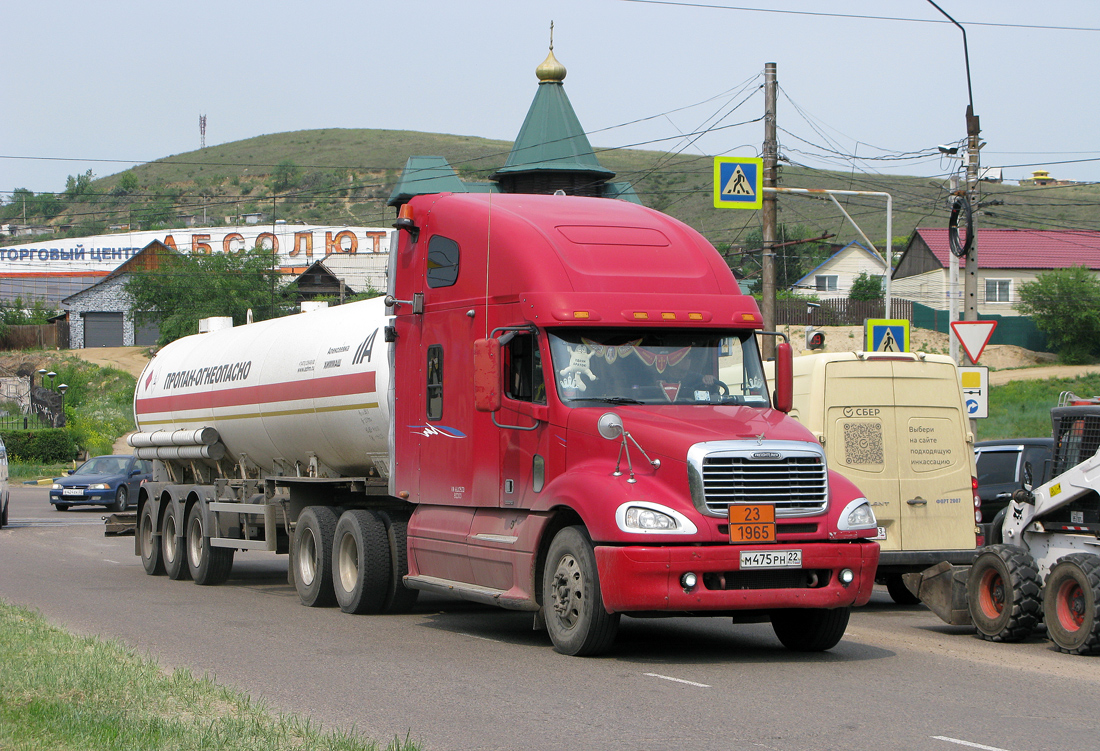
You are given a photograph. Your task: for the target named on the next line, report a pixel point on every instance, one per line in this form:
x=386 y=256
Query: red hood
x=671 y=430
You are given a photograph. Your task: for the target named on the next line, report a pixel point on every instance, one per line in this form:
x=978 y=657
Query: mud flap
x=943 y=589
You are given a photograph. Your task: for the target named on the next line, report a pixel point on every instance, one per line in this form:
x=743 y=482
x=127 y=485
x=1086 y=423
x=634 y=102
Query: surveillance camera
x=949 y=150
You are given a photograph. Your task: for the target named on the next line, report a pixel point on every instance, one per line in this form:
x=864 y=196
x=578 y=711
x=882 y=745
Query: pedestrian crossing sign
x=738 y=182
x=886 y=334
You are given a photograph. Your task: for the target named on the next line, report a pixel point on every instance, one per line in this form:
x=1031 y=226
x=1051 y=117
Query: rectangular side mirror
x=487 y=375
x=784 y=376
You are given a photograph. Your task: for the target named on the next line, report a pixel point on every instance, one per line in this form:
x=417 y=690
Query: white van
x=894 y=424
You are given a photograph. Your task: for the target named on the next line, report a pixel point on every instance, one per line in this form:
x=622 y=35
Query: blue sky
x=103 y=85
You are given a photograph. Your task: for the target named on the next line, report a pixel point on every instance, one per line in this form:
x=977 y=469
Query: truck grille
x=790 y=475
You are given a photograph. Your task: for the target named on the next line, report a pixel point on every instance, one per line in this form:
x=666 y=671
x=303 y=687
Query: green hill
x=344 y=176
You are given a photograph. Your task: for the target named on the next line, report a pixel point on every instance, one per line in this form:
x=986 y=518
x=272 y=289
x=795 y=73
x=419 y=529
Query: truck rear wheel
x=1002 y=593
x=361 y=562
x=171 y=544
x=208 y=565
x=810 y=630
x=572 y=604
x=399 y=599
x=1071 y=599
x=313 y=556
x=149 y=542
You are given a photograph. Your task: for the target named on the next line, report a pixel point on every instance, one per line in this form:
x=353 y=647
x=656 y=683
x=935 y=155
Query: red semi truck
x=559 y=407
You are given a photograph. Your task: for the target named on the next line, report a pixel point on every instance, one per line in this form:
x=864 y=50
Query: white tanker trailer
x=534 y=418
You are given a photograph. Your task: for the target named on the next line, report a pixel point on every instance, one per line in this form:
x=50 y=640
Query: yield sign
x=973 y=335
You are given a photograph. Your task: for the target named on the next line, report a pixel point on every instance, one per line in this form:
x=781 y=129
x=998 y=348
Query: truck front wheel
x=810 y=630
x=361 y=562
x=1070 y=602
x=208 y=564
x=1002 y=593
x=313 y=556
x=572 y=604
x=149 y=542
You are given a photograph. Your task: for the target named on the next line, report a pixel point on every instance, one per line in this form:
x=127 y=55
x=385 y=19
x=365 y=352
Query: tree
x=186 y=288
x=866 y=287
x=286 y=175
x=1065 y=305
x=78 y=185
x=792 y=262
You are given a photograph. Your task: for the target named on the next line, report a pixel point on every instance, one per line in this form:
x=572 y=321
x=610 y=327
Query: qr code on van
x=863 y=443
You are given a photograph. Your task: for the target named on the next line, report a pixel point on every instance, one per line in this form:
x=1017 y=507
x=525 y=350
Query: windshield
x=657 y=367
x=103 y=465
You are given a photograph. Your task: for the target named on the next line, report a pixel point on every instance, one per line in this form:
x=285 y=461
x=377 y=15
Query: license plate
x=881 y=534
x=771 y=559
x=72 y=491
x=752 y=523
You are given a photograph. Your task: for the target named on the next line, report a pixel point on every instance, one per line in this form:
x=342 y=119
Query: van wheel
x=171 y=544
x=149 y=542
x=1071 y=604
x=361 y=562
x=810 y=630
x=207 y=564
x=1002 y=593
x=312 y=565
x=399 y=599
x=899 y=593
x=572 y=604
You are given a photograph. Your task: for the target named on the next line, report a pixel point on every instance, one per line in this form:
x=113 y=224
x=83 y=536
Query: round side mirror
x=610 y=426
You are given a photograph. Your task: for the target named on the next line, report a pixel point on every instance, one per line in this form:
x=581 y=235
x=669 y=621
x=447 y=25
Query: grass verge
x=20 y=471
x=1021 y=409
x=58 y=690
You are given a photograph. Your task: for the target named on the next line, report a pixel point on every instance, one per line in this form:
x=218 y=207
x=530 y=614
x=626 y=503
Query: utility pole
x=973 y=144
x=771 y=158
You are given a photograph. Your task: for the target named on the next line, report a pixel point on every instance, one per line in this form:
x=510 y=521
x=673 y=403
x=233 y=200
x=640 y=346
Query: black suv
x=1001 y=472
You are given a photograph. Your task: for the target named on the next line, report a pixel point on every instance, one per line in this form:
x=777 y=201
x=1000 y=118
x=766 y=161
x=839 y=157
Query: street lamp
x=61 y=390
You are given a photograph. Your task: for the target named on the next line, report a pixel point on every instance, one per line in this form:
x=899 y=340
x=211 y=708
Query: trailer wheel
x=208 y=565
x=361 y=562
x=1071 y=599
x=313 y=556
x=149 y=542
x=399 y=599
x=810 y=630
x=171 y=544
x=572 y=604
x=899 y=593
x=1002 y=593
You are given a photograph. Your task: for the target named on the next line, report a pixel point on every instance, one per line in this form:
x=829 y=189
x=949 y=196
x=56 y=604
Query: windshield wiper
x=609 y=399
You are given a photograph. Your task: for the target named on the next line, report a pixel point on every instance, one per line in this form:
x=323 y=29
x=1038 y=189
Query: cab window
x=525 y=379
x=442 y=262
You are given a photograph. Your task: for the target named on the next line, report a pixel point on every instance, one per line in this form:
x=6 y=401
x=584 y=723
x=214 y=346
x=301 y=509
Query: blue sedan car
x=101 y=481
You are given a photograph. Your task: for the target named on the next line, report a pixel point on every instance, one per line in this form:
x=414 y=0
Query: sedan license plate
x=72 y=491
x=752 y=523
x=771 y=559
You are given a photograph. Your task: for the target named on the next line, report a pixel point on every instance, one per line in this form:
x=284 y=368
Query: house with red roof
x=1006 y=259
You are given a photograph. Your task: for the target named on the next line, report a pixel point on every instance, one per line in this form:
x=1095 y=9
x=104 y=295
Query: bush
x=47 y=446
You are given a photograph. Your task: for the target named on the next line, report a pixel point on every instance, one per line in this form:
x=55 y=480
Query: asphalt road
x=460 y=676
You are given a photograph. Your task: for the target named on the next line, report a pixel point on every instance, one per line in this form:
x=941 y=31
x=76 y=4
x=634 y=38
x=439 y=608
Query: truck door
x=935 y=460
x=524 y=440
x=860 y=437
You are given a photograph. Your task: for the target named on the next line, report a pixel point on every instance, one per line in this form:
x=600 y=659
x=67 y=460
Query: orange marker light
x=580 y=314
x=668 y=316
x=695 y=316
x=641 y=315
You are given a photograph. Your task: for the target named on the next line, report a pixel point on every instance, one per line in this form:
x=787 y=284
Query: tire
x=61 y=506
x=122 y=499
x=312 y=564
x=361 y=562
x=4 y=513
x=1071 y=601
x=1002 y=593
x=899 y=593
x=811 y=629
x=996 y=535
x=149 y=541
x=172 y=545
x=207 y=564
x=572 y=604
x=399 y=598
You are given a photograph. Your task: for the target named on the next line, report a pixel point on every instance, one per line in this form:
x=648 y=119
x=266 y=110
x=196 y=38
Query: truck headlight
x=857 y=515
x=645 y=518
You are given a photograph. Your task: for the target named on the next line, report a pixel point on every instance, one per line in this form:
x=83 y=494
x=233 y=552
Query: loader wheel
x=312 y=564
x=572 y=604
x=149 y=541
x=208 y=564
x=810 y=630
x=1071 y=598
x=399 y=598
x=361 y=562
x=899 y=593
x=1002 y=593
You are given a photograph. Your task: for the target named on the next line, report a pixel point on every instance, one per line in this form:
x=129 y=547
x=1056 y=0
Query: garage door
x=146 y=334
x=103 y=330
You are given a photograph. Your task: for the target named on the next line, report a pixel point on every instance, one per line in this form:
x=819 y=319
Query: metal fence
x=23 y=422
